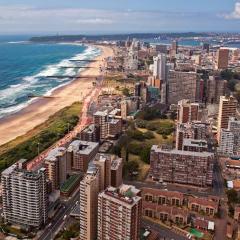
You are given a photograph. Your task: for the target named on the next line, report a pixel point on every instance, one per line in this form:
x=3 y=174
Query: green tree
x=232 y=196
x=126 y=92
x=145 y=154
x=130 y=167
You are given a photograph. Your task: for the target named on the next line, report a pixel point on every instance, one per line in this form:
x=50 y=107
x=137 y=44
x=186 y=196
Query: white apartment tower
x=159 y=67
x=24 y=196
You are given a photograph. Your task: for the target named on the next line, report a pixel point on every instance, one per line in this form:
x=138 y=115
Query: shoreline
x=41 y=109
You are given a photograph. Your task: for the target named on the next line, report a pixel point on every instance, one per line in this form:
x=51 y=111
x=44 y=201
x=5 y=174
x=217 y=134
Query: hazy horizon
x=124 y=16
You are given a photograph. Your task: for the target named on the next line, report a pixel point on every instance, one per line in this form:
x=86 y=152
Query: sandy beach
x=41 y=109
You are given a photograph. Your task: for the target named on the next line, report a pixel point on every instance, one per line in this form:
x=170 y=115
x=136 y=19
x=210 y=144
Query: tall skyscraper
x=181 y=85
x=174 y=49
x=222 y=58
x=119 y=213
x=227 y=108
x=159 y=69
x=24 y=196
x=89 y=189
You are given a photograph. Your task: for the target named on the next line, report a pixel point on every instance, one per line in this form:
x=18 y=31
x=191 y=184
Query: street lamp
x=38 y=148
x=68 y=127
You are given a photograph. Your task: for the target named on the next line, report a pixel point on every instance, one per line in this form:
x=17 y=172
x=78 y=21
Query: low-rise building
x=165 y=213
x=162 y=197
x=206 y=205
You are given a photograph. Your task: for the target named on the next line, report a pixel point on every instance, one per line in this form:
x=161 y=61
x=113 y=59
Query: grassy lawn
x=44 y=134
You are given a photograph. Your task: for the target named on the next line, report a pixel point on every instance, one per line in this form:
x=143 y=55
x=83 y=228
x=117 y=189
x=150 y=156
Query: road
x=84 y=121
x=163 y=232
x=218 y=182
x=50 y=231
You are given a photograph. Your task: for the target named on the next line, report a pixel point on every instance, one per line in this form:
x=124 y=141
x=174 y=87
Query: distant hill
x=114 y=37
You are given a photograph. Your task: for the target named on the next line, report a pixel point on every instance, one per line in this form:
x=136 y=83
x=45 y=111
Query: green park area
x=41 y=137
x=135 y=145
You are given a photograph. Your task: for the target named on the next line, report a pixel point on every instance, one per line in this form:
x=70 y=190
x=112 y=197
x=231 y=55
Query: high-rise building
x=116 y=172
x=161 y=48
x=103 y=162
x=226 y=142
x=187 y=111
x=119 y=213
x=110 y=126
x=195 y=130
x=227 y=108
x=56 y=167
x=174 y=49
x=89 y=189
x=24 y=196
x=215 y=88
x=81 y=153
x=159 y=67
x=206 y=47
x=110 y=170
x=229 y=143
x=131 y=61
x=222 y=58
x=100 y=118
x=181 y=85
x=184 y=167
x=129 y=106
x=90 y=134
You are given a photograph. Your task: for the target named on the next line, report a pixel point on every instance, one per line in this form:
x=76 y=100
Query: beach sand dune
x=40 y=110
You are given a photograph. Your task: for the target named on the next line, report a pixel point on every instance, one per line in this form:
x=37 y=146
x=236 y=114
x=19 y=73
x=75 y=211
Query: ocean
x=26 y=69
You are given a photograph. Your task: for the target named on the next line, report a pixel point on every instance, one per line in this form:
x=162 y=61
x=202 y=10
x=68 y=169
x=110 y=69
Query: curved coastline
x=41 y=109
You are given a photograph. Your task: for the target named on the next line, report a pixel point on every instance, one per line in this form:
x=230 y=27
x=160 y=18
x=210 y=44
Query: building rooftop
x=194 y=142
x=125 y=194
x=116 y=163
x=101 y=113
x=233 y=163
x=158 y=149
x=89 y=129
x=82 y=147
x=55 y=153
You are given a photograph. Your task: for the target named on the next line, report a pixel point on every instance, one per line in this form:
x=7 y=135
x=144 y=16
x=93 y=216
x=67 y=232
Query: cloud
x=95 y=21
x=27 y=19
x=235 y=14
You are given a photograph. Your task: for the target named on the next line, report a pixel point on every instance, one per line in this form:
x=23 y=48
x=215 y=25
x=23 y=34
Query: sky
x=38 y=17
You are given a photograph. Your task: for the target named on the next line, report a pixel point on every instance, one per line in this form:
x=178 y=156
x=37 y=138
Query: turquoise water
x=25 y=69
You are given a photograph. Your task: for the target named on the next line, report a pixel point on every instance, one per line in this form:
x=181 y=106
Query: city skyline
x=71 y=17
